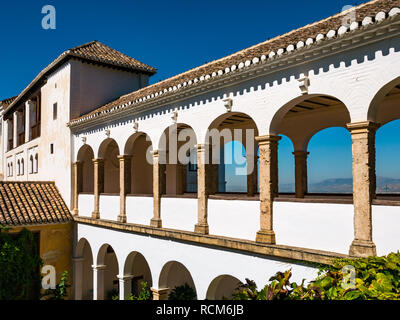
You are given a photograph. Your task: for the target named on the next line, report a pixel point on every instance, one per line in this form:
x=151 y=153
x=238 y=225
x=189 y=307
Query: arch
x=321 y=106
x=384 y=105
x=222 y=287
x=137 y=266
x=84 y=275
x=174 y=274
x=31 y=164
x=139 y=146
x=175 y=146
x=108 y=283
x=235 y=127
x=18 y=168
x=109 y=151
x=22 y=166
x=85 y=156
x=36 y=163
x=286 y=165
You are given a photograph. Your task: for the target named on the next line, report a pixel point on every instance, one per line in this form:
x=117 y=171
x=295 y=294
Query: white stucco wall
x=86 y=204
x=109 y=207
x=139 y=210
x=178 y=213
x=204 y=264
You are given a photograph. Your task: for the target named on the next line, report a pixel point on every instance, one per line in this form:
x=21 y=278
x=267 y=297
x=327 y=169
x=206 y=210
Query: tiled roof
x=27 y=203
x=99 y=52
x=367 y=13
x=7 y=102
x=95 y=52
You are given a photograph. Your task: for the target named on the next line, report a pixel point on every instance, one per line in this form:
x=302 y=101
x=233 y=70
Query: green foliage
x=375 y=278
x=144 y=294
x=60 y=291
x=184 y=292
x=20 y=265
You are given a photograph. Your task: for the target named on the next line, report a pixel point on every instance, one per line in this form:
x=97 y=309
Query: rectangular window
x=55 y=111
x=51 y=148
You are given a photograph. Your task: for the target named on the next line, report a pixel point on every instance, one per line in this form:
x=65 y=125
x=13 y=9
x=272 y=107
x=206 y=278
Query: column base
x=121 y=218
x=266 y=236
x=160 y=294
x=75 y=212
x=96 y=214
x=201 y=228
x=362 y=249
x=155 y=223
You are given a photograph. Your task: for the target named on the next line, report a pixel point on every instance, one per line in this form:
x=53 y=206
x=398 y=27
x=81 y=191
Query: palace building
x=149 y=207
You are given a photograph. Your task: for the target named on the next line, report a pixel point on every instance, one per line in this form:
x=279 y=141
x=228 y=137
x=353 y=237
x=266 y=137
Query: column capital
x=125 y=277
x=267 y=138
x=77 y=162
x=300 y=153
x=160 y=294
x=77 y=259
x=97 y=160
x=99 y=267
x=362 y=127
x=122 y=157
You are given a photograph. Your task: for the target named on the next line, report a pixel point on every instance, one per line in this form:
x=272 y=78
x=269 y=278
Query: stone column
x=160 y=294
x=158 y=189
x=364 y=183
x=98 y=165
x=124 y=184
x=300 y=164
x=77 y=187
x=251 y=171
x=268 y=186
x=202 y=190
x=78 y=277
x=29 y=105
x=15 y=129
x=125 y=286
x=98 y=282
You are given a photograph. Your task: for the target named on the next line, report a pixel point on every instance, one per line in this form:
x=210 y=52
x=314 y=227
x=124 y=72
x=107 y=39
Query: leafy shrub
x=20 y=265
x=144 y=294
x=60 y=291
x=375 y=278
x=184 y=292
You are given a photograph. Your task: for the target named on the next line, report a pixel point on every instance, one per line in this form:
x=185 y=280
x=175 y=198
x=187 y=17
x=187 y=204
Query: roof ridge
x=83 y=45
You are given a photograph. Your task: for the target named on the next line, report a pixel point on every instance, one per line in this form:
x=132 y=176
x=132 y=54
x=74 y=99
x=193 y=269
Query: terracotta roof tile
x=369 y=9
x=25 y=203
x=99 y=52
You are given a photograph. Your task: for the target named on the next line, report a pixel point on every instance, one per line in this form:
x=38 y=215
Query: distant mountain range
x=345 y=185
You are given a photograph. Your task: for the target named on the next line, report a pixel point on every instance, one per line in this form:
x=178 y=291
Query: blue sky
x=174 y=36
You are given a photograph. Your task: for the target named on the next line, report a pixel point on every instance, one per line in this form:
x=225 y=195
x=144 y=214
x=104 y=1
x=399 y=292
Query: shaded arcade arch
x=85 y=157
x=109 y=151
x=174 y=274
x=139 y=146
x=384 y=110
x=83 y=273
x=107 y=280
x=300 y=119
x=138 y=269
x=230 y=131
x=177 y=150
x=222 y=287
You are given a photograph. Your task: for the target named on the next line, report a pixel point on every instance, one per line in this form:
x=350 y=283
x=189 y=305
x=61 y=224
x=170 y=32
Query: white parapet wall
x=386 y=229
x=320 y=226
x=139 y=210
x=179 y=213
x=234 y=218
x=86 y=204
x=109 y=207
